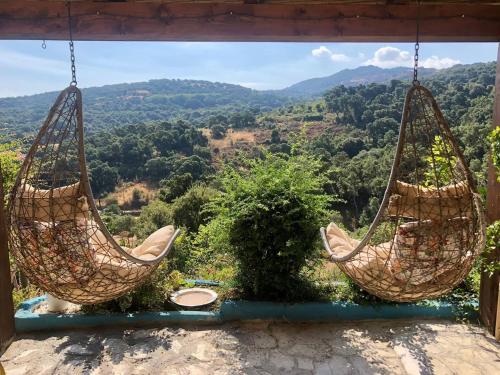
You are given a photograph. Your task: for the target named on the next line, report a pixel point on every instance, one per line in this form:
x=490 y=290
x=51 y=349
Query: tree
x=188 y=210
x=218 y=131
x=103 y=178
x=378 y=128
x=157 y=169
x=275 y=136
x=174 y=187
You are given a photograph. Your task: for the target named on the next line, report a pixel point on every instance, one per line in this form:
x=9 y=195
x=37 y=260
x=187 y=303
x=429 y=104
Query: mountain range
x=350 y=77
x=194 y=100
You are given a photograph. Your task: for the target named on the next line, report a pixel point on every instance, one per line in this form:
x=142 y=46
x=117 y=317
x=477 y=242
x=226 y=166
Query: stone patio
x=370 y=347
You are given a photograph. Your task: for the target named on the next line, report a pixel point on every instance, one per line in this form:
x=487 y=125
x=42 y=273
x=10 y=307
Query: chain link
x=417 y=47
x=71 y=47
x=44 y=44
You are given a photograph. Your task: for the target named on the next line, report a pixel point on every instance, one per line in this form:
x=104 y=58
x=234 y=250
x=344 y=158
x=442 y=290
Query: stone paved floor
x=376 y=347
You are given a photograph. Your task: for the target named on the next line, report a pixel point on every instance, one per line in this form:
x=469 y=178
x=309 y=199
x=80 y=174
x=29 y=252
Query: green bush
x=187 y=210
x=154 y=216
x=272 y=211
x=494 y=139
x=152 y=295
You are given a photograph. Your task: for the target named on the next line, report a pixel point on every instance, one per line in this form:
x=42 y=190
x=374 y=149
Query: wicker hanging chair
x=56 y=234
x=430 y=226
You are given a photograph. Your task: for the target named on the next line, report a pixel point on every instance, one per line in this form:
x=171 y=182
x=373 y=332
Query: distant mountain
x=132 y=103
x=349 y=77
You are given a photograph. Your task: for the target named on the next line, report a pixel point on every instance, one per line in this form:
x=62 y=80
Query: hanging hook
x=417 y=47
x=44 y=45
x=71 y=47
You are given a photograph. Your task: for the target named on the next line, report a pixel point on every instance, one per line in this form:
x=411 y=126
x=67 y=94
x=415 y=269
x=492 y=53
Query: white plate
x=194 y=297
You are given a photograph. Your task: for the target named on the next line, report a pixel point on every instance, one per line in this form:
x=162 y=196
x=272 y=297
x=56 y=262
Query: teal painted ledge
x=27 y=320
x=328 y=311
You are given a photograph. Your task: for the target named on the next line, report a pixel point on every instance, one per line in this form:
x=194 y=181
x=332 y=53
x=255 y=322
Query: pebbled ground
x=370 y=347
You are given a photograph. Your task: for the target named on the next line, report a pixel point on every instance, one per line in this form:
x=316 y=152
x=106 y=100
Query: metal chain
x=417 y=47
x=71 y=47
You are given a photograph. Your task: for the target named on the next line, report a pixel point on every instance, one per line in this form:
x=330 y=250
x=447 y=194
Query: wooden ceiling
x=252 y=20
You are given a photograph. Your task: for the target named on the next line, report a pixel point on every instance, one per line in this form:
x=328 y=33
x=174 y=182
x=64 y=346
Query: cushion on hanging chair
x=420 y=253
x=150 y=249
x=374 y=264
x=424 y=250
x=58 y=204
x=417 y=202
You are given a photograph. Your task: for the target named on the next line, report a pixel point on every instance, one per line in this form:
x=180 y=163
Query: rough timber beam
x=249 y=21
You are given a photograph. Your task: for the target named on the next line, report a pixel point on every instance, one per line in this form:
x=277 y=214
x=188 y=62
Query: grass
x=123 y=193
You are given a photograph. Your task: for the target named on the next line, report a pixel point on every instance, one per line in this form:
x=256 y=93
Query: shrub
x=494 y=139
x=150 y=296
x=187 y=210
x=272 y=212
x=154 y=216
x=174 y=187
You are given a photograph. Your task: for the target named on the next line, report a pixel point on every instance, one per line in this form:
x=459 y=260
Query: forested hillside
x=155 y=100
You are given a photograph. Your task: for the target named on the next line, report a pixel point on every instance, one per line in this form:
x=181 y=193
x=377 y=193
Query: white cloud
x=437 y=63
x=390 y=57
x=323 y=51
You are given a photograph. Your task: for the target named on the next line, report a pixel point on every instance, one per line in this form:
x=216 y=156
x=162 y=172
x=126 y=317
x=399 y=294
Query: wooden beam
x=7 y=328
x=489 y=298
x=177 y=21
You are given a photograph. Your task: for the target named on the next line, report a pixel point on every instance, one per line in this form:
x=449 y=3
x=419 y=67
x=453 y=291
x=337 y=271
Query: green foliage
x=118 y=223
x=439 y=164
x=218 y=131
x=271 y=213
x=491 y=264
x=187 y=210
x=154 y=216
x=10 y=162
x=152 y=295
x=175 y=186
x=141 y=102
x=494 y=139
x=103 y=178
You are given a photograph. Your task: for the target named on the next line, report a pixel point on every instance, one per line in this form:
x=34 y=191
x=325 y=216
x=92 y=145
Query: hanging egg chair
x=56 y=235
x=430 y=226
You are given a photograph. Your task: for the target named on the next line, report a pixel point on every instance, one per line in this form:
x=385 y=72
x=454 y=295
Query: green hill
x=132 y=103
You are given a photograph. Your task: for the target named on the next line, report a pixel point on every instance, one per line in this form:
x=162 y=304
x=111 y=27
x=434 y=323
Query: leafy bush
x=187 y=210
x=150 y=296
x=492 y=244
x=175 y=186
x=272 y=211
x=494 y=139
x=154 y=216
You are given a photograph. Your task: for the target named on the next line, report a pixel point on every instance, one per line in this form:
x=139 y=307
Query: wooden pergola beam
x=251 y=21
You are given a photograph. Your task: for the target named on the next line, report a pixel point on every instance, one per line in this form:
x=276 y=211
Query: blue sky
x=26 y=68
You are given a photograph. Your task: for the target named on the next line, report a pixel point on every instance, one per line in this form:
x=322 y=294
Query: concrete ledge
x=328 y=311
x=27 y=320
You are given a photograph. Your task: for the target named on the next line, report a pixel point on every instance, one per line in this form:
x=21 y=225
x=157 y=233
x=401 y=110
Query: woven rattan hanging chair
x=430 y=226
x=56 y=234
